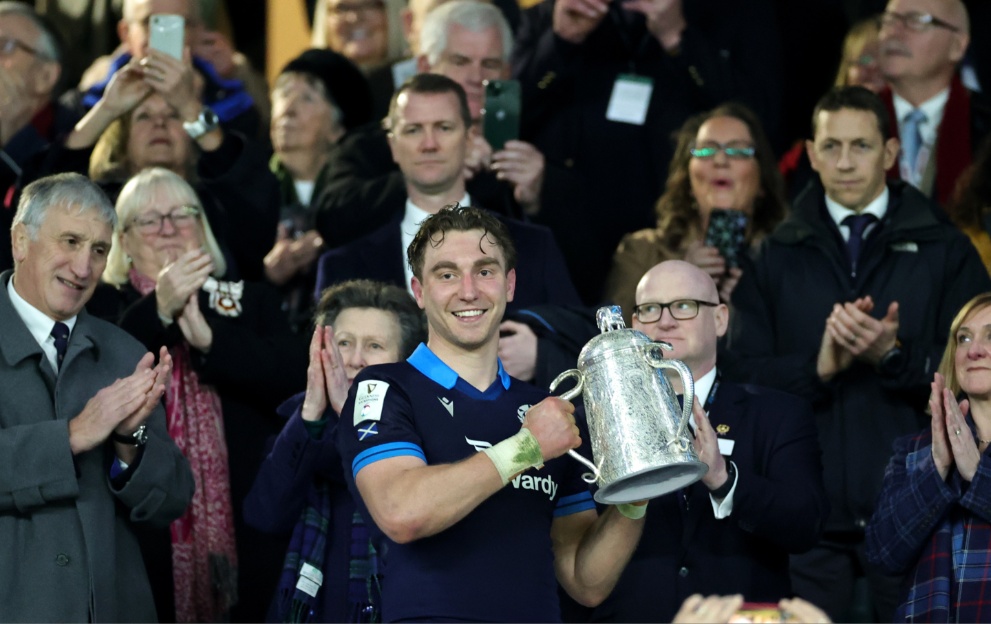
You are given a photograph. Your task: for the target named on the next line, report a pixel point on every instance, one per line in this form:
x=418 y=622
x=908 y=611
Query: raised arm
x=410 y=500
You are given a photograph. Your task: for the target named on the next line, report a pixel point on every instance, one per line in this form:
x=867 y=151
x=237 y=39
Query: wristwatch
x=138 y=438
x=206 y=122
x=891 y=363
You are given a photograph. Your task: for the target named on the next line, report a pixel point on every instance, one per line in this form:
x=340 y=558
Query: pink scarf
x=204 y=558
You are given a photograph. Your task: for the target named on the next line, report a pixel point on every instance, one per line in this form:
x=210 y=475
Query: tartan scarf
x=204 y=559
x=950 y=582
x=303 y=572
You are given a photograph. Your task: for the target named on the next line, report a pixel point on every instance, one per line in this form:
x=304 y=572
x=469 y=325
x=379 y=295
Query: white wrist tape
x=514 y=455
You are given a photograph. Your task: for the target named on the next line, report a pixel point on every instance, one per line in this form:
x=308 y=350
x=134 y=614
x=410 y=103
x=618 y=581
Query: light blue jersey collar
x=425 y=361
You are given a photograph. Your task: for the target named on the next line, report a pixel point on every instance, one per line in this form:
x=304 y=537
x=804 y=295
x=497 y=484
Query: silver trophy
x=639 y=434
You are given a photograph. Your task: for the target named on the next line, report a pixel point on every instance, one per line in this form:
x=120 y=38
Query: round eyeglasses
x=681 y=310
x=180 y=218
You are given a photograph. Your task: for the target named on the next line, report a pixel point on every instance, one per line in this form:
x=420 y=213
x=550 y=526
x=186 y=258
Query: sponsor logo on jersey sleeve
x=368 y=401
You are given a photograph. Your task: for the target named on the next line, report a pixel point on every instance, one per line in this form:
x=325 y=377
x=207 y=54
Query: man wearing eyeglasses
x=848 y=304
x=29 y=119
x=940 y=123
x=763 y=495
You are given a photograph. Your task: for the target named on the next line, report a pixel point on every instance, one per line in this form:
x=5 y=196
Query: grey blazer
x=67 y=551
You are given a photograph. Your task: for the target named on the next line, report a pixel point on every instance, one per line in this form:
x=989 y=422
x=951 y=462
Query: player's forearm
x=601 y=555
x=420 y=500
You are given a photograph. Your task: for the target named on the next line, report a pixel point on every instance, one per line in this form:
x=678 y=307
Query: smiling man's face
x=58 y=271
x=464 y=290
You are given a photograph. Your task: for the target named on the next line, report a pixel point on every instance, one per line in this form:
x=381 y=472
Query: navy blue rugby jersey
x=496 y=564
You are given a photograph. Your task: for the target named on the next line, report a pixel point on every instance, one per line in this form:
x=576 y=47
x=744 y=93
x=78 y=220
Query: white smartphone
x=167 y=34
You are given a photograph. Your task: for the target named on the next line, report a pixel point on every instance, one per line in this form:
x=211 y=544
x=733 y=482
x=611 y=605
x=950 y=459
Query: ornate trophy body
x=639 y=433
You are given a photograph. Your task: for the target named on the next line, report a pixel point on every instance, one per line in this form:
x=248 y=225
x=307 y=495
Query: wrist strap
x=516 y=454
x=631 y=511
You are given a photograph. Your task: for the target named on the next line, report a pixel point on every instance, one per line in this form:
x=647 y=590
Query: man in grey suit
x=84 y=451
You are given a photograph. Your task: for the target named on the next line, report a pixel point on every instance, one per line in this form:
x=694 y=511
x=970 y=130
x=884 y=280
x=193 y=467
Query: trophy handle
x=594 y=475
x=657 y=360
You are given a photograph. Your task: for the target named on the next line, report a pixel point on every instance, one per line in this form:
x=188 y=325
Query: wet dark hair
x=457 y=218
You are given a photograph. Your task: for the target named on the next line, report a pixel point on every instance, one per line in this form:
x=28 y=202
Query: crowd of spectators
x=242 y=208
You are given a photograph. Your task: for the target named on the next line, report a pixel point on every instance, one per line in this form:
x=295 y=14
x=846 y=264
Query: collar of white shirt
x=878 y=208
x=934 y=108
x=38 y=323
x=703 y=386
x=410 y=225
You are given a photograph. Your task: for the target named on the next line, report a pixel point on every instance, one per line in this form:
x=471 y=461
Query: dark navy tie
x=61 y=335
x=857 y=224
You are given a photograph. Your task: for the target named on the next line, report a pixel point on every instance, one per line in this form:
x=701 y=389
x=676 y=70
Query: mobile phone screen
x=727 y=232
x=166 y=33
x=501 y=115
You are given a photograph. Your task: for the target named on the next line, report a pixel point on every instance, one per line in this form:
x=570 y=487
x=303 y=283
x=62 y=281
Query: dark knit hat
x=342 y=80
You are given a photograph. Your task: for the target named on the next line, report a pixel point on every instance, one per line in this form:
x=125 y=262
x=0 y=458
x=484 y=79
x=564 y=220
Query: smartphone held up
x=167 y=33
x=501 y=115
x=727 y=232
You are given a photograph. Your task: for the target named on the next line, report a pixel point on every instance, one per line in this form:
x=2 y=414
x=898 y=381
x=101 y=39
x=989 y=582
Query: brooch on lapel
x=722 y=429
x=225 y=297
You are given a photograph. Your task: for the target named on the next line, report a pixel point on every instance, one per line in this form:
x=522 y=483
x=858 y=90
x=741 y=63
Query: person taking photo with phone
x=723 y=162
x=469 y=42
x=227 y=100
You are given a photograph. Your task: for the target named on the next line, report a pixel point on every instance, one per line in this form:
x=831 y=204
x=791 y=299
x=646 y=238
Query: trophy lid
x=615 y=336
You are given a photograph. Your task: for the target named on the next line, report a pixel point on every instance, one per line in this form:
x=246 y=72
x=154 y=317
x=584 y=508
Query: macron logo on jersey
x=448 y=405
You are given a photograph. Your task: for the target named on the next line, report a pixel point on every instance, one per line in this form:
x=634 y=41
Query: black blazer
x=779 y=507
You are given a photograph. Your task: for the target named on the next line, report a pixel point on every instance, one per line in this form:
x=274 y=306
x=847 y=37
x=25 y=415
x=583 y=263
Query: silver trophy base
x=651 y=483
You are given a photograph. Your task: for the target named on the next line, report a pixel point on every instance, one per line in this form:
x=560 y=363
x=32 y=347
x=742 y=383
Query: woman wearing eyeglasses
x=235 y=358
x=722 y=161
x=151 y=116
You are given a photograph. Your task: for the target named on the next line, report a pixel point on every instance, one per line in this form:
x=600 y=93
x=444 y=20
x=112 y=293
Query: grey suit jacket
x=67 y=552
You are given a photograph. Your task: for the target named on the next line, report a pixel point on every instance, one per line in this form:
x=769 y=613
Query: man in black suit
x=428 y=132
x=763 y=496
x=468 y=41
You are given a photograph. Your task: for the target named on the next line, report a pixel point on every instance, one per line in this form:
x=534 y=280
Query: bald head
x=957 y=13
x=683 y=272
x=694 y=339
